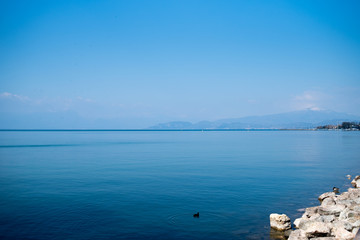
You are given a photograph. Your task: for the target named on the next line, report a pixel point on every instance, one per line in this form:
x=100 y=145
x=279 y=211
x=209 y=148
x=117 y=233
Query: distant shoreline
x=173 y=130
x=153 y=130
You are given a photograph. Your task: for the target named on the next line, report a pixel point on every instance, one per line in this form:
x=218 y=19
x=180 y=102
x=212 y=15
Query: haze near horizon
x=133 y=64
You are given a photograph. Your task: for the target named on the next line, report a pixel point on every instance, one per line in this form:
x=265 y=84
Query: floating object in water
x=336 y=190
x=196 y=215
x=348 y=177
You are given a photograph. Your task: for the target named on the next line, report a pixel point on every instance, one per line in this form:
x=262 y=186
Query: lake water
x=148 y=184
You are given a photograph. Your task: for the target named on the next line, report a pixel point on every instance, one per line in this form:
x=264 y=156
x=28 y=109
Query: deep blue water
x=148 y=184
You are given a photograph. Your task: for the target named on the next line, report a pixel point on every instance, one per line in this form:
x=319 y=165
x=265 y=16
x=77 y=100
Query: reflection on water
x=279 y=235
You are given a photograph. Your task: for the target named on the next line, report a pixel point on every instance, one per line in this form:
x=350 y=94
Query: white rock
x=325 y=218
x=356 y=182
x=356 y=224
x=349 y=215
x=341 y=233
x=342 y=224
x=355 y=230
x=329 y=201
x=326 y=195
x=354 y=190
x=298 y=235
x=315 y=228
x=355 y=208
x=310 y=212
x=315 y=216
x=280 y=222
x=331 y=210
x=343 y=196
x=347 y=203
x=344 y=214
x=297 y=222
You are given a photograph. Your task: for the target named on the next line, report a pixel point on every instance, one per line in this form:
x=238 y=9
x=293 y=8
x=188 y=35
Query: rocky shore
x=337 y=218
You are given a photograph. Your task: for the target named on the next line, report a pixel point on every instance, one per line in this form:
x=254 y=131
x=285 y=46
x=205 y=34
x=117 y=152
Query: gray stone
x=344 y=214
x=331 y=210
x=342 y=224
x=347 y=203
x=349 y=215
x=280 y=222
x=325 y=218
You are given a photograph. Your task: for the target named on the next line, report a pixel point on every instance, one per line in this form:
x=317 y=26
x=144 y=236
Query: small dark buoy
x=336 y=190
x=196 y=215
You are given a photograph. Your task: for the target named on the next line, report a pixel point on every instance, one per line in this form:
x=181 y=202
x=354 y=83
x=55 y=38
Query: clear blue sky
x=132 y=64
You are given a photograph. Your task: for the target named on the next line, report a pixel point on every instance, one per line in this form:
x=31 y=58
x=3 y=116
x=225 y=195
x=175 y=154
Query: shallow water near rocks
x=148 y=184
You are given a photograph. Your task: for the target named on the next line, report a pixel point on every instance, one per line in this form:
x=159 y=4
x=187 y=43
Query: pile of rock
x=338 y=217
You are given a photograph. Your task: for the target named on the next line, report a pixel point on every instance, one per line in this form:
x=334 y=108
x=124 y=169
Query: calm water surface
x=148 y=184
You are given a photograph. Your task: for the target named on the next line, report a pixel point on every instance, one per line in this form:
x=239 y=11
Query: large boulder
x=315 y=228
x=280 y=222
x=325 y=218
x=341 y=233
x=350 y=215
x=331 y=210
x=342 y=224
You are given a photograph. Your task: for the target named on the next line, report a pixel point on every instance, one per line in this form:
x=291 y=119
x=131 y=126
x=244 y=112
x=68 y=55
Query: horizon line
x=154 y=130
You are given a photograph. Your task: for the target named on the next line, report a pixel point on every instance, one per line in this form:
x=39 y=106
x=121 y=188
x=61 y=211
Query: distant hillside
x=350 y=126
x=304 y=119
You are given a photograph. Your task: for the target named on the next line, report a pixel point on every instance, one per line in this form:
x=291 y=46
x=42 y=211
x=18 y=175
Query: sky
x=133 y=64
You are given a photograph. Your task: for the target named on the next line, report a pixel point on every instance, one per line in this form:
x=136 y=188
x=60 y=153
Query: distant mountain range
x=305 y=119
